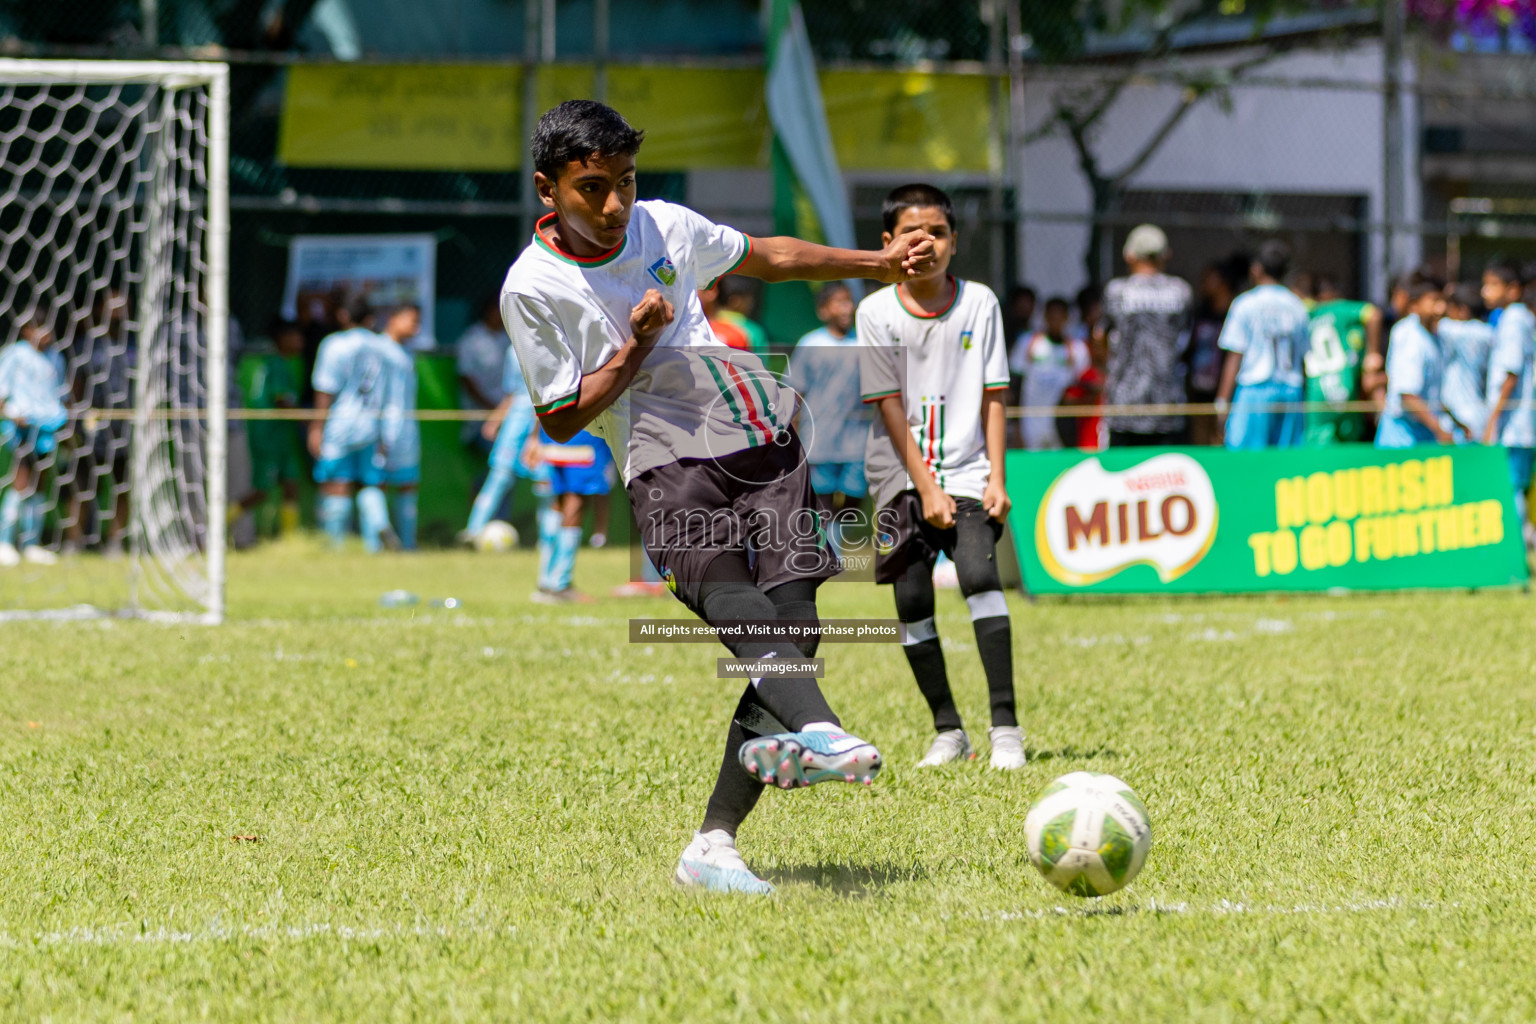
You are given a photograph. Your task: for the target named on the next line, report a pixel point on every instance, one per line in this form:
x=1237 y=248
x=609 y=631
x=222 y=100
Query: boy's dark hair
x=280 y=326
x=1423 y=287
x=733 y=285
x=357 y=309
x=1274 y=259
x=913 y=196
x=1507 y=273
x=1234 y=269
x=1325 y=283
x=831 y=288
x=1058 y=302
x=390 y=312
x=1406 y=281
x=578 y=130
x=1469 y=296
x=1019 y=291
x=1088 y=297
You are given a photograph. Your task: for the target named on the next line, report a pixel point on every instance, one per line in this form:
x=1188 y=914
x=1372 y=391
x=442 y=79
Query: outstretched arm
x=789 y=259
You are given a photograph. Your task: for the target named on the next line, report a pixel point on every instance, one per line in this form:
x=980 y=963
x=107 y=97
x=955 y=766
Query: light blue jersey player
x=33 y=415
x=400 y=432
x=512 y=424
x=1465 y=343
x=1266 y=337
x=579 y=469
x=1512 y=384
x=1415 y=374
x=346 y=441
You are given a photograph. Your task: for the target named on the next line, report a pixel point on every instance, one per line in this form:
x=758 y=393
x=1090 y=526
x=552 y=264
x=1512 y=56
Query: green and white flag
x=809 y=200
x=803 y=157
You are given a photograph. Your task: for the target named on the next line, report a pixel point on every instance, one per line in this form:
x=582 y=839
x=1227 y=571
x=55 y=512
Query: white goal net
x=113 y=330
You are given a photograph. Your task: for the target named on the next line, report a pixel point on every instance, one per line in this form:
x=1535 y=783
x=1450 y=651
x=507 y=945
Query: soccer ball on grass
x=1088 y=834
x=496 y=536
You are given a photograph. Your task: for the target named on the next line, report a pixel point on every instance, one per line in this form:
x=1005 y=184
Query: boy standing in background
x=1465 y=342
x=1047 y=363
x=1265 y=337
x=1511 y=417
x=400 y=433
x=933 y=360
x=274 y=443
x=33 y=415
x=1415 y=367
x=1345 y=336
x=824 y=372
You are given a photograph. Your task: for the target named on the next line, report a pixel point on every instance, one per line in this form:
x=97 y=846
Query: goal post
x=114 y=228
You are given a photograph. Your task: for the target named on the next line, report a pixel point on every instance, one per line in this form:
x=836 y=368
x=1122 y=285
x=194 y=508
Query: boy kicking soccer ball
x=31 y=418
x=934 y=360
x=604 y=314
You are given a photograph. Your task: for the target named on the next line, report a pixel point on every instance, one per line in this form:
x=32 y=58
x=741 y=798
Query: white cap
x=1145 y=242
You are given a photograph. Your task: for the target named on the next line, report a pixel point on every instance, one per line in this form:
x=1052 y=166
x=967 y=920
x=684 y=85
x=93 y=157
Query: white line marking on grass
x=1095 y=641
x=1225 y=908
x=126 y=935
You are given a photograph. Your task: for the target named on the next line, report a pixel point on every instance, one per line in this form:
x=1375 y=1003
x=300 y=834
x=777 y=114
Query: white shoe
x=949 y=745
x=34 y=554
x=711 y=862
x=9 y=556
x=946 y=576
x=1007 y=747
x=597 y=540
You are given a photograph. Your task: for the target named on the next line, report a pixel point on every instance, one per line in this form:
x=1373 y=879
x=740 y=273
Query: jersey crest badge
x=664 y=272
x=965 y=339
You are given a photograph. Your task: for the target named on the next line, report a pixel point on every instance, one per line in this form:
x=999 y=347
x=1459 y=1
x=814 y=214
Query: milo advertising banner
x=1208 y=520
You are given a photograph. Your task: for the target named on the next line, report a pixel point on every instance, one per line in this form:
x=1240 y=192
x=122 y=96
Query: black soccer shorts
x=903 y=536
x=755 y=503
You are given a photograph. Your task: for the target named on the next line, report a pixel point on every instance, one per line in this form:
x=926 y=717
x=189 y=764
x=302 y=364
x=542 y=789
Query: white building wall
x=1278 y=138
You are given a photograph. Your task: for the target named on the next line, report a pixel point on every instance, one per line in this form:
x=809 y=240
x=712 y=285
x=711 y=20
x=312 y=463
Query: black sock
x=927 y=661
x=793 y=700
x=994 y=642
x=915 y=607
x=735 y=792
x=796 y=602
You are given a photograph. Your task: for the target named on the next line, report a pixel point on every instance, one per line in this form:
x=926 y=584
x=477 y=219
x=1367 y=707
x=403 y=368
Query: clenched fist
x=909 y=255
x=650 y=317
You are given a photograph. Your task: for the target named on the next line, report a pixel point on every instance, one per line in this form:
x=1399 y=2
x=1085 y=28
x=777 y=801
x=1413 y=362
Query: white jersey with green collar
x=941 y=364
x=693 y=397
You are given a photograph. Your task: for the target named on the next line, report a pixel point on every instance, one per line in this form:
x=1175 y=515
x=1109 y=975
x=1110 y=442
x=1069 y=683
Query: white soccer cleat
x=35 y=554
x=791 y=760
x=949 y=745
x=9 y=556
x=1007 y=747
x=711 y=862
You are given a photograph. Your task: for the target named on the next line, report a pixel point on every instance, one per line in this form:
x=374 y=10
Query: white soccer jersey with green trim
x=941 y=364
x=693 y=397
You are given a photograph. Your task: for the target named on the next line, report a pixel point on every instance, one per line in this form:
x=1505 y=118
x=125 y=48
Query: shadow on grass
x=1071 y=753
x=847 y=879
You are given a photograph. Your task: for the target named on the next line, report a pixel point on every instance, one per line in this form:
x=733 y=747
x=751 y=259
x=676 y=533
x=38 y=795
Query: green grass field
x=474 y=814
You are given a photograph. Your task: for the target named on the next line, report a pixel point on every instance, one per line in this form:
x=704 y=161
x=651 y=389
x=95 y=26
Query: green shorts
x=274 y=461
